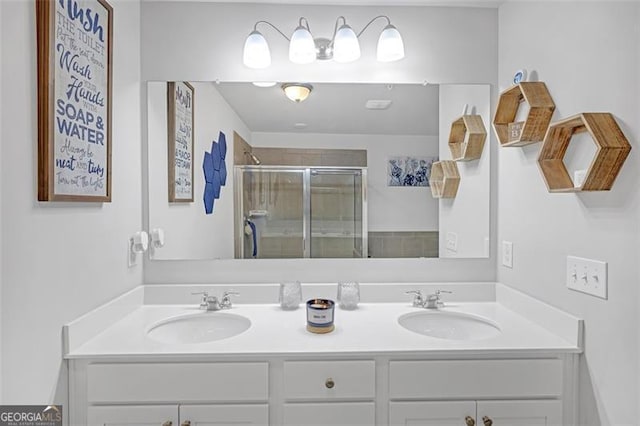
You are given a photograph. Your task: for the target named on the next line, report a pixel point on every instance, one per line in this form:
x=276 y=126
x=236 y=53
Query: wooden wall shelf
x=612 y=149
x=466 y=138
x=444 y=179
x=533 y=129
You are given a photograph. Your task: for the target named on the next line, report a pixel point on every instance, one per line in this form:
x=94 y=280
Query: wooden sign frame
x=75 y=59
x=180 y=132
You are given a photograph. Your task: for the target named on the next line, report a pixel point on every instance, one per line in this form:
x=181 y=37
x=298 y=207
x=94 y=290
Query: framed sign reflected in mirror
x=180 y=97
x=74 y=50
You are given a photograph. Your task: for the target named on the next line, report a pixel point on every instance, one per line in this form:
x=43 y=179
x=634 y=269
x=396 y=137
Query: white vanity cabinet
x=324 y=390
x=513 y=392
x=169 y=393
x=329 y=392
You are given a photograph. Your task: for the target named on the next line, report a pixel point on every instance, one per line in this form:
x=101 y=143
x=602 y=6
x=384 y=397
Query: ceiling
x=337 y=108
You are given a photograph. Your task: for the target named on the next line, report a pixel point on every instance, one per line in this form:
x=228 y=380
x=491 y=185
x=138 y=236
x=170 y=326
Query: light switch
x=587 y=276
x=452 y=241
x=507 y=254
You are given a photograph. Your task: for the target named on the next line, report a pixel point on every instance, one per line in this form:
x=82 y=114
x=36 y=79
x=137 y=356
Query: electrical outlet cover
x=507 y=254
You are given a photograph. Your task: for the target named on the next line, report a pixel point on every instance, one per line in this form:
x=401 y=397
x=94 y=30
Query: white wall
x=60 y=259
x=587 y=53
x=467 y=216
x=443 y=45
x=189 y=232
x=416 y=210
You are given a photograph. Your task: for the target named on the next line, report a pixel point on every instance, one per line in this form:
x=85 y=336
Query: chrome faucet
x=211 y=303
x=431 y=301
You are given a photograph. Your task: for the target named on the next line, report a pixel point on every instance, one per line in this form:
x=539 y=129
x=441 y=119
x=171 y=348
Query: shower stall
x=300 y=212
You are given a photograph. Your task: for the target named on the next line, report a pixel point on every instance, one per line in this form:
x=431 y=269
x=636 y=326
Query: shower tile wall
x=403 y=244
x=311 y=157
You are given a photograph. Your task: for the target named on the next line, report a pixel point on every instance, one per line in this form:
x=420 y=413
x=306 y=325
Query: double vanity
x=489 y=356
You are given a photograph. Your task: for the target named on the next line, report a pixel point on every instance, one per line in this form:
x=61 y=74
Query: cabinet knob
x=487 y=421
x=470 y=421
x=167 y=423
x=186 y=423
x=329 y=383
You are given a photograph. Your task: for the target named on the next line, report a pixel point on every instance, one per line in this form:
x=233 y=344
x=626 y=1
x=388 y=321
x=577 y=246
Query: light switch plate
x=452 y=241
x=507 y=254
x=587 y=276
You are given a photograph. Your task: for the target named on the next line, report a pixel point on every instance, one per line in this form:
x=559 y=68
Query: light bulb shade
x=390 y=45
x=346 y=47
x=297 y=92
x=256 y=51
x=302 y=49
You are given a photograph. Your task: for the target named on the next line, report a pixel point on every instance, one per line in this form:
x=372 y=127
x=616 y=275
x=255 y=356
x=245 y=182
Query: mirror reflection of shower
x=253 y=158
x=298 y=212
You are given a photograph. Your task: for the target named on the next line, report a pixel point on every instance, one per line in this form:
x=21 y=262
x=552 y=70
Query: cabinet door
x=224 y=415
x=153 y=415
x=433 y=413
x=521 y=413
x=330 y=414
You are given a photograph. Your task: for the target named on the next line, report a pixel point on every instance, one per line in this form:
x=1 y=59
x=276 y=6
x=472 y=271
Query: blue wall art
x=409 y=171
x=215 y=172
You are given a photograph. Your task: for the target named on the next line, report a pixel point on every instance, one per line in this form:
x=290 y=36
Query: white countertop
x=372 y=328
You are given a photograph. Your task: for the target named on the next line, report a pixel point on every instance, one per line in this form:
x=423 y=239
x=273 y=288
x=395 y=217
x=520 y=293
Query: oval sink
x=199 y=328
x=449 y=325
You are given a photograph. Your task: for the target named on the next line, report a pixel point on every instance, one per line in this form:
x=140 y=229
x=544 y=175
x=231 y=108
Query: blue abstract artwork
x=409 y=171
x=215 y=172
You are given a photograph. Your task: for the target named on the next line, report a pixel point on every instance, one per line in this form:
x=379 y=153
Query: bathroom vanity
x=517 y=365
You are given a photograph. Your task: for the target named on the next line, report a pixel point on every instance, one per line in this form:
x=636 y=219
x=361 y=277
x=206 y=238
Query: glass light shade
x=256 y=51
x=390 y=45
x=346 y=47
x=302 y=49
x=297 y=92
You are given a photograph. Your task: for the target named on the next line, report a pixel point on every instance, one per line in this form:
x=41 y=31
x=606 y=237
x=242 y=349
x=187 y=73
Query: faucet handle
x=205 y=298
x=418 y=299
x=225 y=302
x=438 y=293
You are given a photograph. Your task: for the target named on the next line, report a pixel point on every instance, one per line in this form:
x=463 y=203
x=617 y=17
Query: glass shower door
x=337 y=213
x=273 y=208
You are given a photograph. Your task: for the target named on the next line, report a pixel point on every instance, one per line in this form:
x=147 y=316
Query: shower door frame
x=239 y=217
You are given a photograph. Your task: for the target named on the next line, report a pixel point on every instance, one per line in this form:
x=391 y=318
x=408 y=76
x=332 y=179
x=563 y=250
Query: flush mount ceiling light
x=342 y=47
x=297 y=92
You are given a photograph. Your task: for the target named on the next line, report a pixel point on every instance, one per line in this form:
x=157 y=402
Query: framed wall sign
x=74 y=45
x=180 y=97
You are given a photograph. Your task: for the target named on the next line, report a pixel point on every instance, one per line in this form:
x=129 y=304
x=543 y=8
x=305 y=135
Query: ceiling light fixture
x=297 y=92
x=342 y=47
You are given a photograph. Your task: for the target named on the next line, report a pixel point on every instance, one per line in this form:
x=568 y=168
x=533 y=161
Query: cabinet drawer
x=329 y=380
x=176 y=382
x=473 y=379
x=336 y=413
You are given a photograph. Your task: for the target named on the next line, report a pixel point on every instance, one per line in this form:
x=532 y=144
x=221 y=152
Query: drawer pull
x=186 y=423
x=470 y=421
x=167 y=423
x=487 y=421
x=329 y=383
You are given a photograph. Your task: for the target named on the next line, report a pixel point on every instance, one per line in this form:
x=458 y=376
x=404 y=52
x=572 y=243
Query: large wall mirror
x=340 y=174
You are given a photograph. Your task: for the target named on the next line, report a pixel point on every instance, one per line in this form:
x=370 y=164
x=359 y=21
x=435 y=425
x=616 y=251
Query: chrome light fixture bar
x=343 y=46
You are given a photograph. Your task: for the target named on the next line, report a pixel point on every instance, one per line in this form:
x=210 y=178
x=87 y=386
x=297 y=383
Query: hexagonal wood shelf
x=533 y=129
x=466 y=138
x=444 y=179
x=612 y=149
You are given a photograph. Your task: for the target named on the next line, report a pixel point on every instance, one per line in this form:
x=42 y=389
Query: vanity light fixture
x=297 y=92
x=343 y=46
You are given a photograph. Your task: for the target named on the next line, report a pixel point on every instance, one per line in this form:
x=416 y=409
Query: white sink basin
x=199 y=328
x=449 y=325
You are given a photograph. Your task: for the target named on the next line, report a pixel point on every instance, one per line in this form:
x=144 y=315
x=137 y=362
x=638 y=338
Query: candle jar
x=320 y=315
